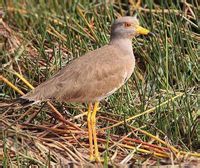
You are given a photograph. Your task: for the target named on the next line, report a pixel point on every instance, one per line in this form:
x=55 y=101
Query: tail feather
x=24 y=102
x=17 y=103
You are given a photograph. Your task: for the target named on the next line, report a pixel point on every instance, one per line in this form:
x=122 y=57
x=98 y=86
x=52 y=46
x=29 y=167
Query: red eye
x=127 y=24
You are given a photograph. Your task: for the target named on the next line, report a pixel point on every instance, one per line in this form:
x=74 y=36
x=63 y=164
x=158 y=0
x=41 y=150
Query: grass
x=38 y=39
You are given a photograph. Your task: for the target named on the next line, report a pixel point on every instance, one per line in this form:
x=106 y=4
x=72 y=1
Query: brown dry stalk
x=147 y=112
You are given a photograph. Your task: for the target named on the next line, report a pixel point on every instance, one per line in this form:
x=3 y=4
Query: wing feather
x=87 y=78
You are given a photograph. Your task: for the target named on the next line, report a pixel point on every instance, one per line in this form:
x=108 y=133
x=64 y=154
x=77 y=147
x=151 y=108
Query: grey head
x=126 y=28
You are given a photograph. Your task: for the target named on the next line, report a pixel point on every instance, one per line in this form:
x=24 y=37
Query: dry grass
x=153 y=120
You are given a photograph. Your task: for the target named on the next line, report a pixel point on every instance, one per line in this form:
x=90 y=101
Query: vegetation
x=38 y=38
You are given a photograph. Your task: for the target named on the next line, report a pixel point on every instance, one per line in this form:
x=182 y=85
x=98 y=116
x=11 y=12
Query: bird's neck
x=124 y=45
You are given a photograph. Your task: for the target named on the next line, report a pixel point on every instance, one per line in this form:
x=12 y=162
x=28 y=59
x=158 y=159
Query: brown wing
x=88 y=78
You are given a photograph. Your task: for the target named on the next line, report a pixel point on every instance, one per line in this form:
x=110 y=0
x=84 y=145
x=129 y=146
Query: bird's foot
x=99 y=159
x=92 y=158
x=96 y=158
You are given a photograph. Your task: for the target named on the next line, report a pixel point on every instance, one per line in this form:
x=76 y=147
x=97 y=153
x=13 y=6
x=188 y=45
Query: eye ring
x=126 y=24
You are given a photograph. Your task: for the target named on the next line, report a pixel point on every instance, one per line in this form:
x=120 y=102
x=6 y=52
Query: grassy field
x=38 y=39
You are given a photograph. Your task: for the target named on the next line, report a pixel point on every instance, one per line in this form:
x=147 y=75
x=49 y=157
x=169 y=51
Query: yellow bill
x=141 y=30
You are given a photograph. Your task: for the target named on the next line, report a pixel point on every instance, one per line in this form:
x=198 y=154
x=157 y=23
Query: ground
x=152 y=120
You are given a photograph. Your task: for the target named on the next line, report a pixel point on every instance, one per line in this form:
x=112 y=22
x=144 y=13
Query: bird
x=94 y=76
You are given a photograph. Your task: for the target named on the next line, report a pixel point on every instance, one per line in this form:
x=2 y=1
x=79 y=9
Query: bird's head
x=127 y=27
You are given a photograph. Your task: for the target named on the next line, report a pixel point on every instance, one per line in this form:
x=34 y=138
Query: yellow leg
x=93 y=119
x=89 y=121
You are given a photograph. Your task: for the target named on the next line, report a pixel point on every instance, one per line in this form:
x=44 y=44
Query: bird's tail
x=17 y=103
x=24 y=102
